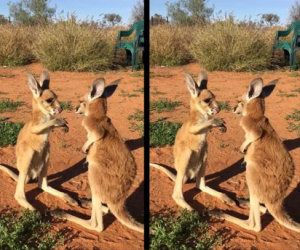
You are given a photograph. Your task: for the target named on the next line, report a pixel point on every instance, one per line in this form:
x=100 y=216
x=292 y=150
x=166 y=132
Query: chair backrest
x=139 y=28
x=295 y=26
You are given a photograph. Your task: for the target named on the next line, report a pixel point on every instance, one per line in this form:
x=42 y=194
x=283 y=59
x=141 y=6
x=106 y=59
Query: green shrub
x=227 y=45
x=70 y=46
x=163 y=133
x=224 y=105
x=137 y=116
x=66 y=105
x=164 y=105
x=169 y=45
x=9 y=132
x=27 y=231
x=294 y=116
x=6 y=105
x=186 y=231
x=16 y=45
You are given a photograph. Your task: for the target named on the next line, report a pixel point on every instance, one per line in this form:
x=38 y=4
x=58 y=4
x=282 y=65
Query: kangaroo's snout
x=58 y=110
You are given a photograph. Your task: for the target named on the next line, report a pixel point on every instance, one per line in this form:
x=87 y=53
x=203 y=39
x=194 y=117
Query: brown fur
x=190 y=148
x=112 y=168
x=32 y=149
x=270 y=167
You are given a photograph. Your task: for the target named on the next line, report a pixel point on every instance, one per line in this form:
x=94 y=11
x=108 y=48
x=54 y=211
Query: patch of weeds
x=224 y=105
x=156 y=92
x=223 y=145
x=295 y=116
x=137 y=127
x=152 y=75
x=64 y=145
x=3 y=93
x=163 y=105
x=294 y=74
x=66 y=105
x=6 y=105
x=126 y=94
x=9 y=132
x=137 y=116
x=141 y=90
x=185 y=231
x=294 y=127
x=296 y=90
x=160 y=118
x=27 y=231
x=284 y=94
x=3 y=118
x=137 y=74
x=163 y=133
x=7 y=75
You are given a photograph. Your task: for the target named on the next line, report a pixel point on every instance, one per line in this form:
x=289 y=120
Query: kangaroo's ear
x=34 y=86
x=268 y=89
x=44 y=80
x=110 y=89
x=255 y=88
x=191 y=85
x=97 y=88
x=202 y=80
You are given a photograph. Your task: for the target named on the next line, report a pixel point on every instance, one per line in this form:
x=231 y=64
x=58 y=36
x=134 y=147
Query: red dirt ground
x=67 y=171
x=224 y=171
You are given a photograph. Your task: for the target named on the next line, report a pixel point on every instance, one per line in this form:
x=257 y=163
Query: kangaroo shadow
x=57 y=180
x=135 y=203
x=134 y=144
x=292 y=143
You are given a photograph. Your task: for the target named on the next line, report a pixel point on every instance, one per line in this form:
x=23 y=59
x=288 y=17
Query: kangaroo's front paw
x=219 y=122
x=60 y=122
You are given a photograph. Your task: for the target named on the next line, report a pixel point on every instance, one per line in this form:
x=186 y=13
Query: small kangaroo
x=269 y=166
x=190 y=148
x=111 y=166
x=32 y=149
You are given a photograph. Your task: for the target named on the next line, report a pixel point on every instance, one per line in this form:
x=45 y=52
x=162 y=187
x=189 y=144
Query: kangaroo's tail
x=125 y=218
x=166 y=171
x=9 y=172
x=279 y=213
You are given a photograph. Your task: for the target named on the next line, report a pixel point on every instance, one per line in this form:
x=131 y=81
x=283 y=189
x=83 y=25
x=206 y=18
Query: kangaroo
x=190 y=148
x=269 y=166
x=112 y=168
x=32 y=149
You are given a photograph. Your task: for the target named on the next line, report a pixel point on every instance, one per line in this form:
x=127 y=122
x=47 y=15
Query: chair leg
x=134 y=60
x=287 y=57
x=293 y=60
x=128 y=57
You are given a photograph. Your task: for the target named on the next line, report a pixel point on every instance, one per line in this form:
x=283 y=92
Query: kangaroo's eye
x=207 y=100
x=50 y=100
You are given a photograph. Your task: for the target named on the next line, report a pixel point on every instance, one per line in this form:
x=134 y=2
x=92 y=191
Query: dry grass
x=16 y=45
x=72 y=47
x=169 y=45
x=221 y=45
x=226 y=45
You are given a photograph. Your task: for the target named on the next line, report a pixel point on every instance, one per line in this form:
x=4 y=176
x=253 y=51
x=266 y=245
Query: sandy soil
x=68 y=172
x=224 y=171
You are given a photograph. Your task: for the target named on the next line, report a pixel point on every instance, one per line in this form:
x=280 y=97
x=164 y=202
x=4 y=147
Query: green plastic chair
x=132 y=47
x=290 y=48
